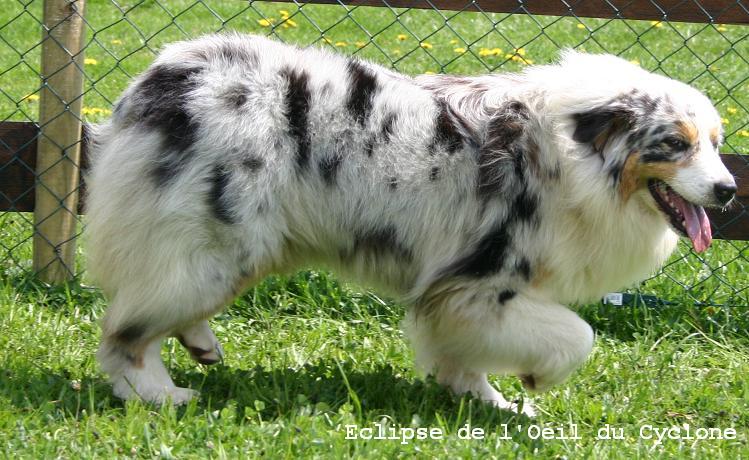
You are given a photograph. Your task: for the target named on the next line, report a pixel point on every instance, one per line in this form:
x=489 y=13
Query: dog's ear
x=597 y=126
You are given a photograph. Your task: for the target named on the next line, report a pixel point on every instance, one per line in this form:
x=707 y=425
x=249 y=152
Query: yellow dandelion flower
x=95 y=110
x=732 y=110
x=496 y=52
x=744 y=133
x=426 y=45
x=283 y=13
x=460 y=50
x=657 y=24
x=402 y=37
x=361 y=44
x=115 y=42
x=454 y=41
x=289 y=23
x=429 y=72
x=722 y=28
x=634 y=61
x=90 y=61
x=341 y=44
x=520 y=51
x=396 y=51
x=327 y=40
x=485 y=52
x=724 y=121
x=31 y=97
x=581 y=26
x=528 y=61
x=265 y=22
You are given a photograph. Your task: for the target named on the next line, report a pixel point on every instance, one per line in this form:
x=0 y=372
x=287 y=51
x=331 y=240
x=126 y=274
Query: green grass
x=307 y=356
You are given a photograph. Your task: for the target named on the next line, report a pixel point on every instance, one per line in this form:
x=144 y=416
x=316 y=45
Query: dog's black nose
x=725 y=191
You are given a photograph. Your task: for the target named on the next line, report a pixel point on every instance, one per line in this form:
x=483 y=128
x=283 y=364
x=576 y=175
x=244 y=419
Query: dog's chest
x=584 y=262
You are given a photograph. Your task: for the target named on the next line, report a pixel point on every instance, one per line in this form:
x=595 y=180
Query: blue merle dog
x=484 y=203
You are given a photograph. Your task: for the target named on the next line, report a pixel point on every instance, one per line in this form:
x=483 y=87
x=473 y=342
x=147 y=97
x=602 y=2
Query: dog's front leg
x=538 y=340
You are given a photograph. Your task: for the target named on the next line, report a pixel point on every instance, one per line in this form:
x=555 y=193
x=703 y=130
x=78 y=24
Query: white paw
x=495 y=398
x=527 y=407
x=160 y=395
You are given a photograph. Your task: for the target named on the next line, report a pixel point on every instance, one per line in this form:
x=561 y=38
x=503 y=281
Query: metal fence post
x=59 y=147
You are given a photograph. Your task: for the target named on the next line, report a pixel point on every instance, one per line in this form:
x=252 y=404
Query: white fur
x=168 y=263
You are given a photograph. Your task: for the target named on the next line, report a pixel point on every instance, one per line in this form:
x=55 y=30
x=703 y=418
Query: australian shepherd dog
x=483 y=203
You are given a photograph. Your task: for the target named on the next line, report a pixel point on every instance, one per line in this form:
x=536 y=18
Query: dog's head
x=660 y=136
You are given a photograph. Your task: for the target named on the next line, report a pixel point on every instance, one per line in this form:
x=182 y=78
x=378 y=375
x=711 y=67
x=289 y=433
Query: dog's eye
x=675 y=143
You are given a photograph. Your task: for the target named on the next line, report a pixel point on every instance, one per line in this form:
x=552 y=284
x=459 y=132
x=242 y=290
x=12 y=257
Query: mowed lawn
x=310 y=360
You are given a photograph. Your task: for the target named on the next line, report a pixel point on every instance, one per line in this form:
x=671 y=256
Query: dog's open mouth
x=687 y=218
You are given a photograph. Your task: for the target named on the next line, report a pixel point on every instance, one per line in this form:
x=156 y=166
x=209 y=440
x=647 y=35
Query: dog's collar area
x=686 y=218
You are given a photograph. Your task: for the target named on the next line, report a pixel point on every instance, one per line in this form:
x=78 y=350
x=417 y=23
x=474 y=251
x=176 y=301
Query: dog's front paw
x=496 y=399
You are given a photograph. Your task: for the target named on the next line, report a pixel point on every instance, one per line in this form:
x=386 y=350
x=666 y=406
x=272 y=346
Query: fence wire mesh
x=122 y=38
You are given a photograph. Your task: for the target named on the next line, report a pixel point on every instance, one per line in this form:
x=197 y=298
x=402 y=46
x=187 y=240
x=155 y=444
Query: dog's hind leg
x=137 y=371
x=201 y=342
x=161 y=303
x=540 y=341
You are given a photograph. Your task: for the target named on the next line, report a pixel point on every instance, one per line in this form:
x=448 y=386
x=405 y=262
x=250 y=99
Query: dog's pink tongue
x=696 y=222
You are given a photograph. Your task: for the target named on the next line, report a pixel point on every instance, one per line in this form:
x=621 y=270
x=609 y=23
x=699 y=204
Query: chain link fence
x=122 y=38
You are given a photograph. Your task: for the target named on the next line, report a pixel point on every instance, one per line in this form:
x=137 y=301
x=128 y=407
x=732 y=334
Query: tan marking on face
x=715 y=136
x=629 y=181
x=635 y=175
x=689 y=131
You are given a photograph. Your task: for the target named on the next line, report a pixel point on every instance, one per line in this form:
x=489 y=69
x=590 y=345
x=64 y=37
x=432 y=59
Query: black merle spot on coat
x=486 y=258
x=505 y=296
x=525 y=205
x=523 y=267
x=387 y=126
x=236 y=96
x=382 y=242
x=434 y=173
x=362 y=91
x=130 y=334
x=502 y=156
x=253 y=163
x=160 y=103
x=217 y=199
x=237 y=54
x=392 y=183
x=328 y=166
x=369 y=146
x=297 y=103
x=447 y=131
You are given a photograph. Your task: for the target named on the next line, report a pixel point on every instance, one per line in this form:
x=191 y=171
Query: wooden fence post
x=59 y=145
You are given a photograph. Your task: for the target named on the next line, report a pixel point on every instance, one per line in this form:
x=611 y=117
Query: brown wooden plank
x=17 y=165
x=701 y=11
x=733 y=224
x=18 y=144
x=18 y=141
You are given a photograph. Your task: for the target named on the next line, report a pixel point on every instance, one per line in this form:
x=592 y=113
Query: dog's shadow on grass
x=269 y=394
x=330 y=386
